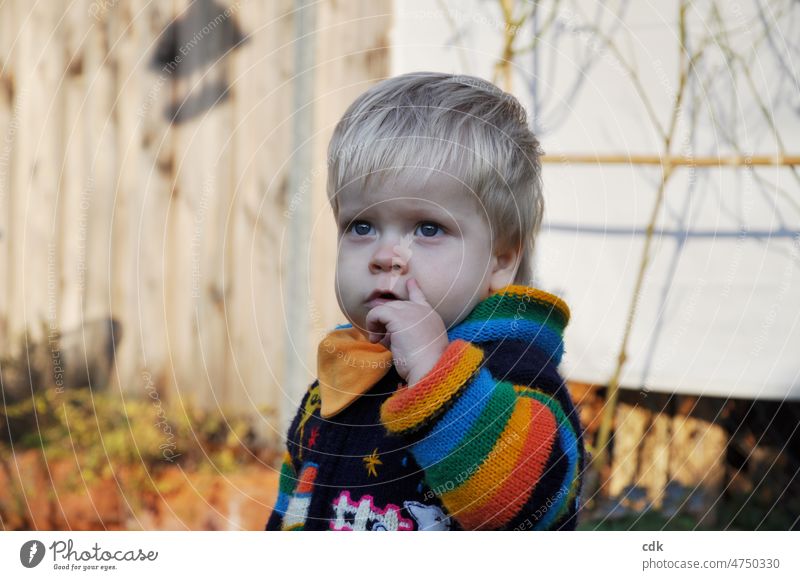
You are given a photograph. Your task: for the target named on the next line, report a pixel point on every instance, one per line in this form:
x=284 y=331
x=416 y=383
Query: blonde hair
x=427 y=122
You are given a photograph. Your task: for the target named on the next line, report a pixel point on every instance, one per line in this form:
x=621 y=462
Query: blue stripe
x=521 y=329
x=456 y=422
x=282 y=503
x=571 y=451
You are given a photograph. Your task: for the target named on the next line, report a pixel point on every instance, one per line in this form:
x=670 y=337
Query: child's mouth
x=377 y=298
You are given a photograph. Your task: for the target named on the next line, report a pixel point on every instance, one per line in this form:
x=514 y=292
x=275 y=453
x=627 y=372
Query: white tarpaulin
x=719 y=312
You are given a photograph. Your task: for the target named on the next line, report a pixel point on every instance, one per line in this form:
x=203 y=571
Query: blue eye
x=359 y=228
x=426 y=229
x=429 y=229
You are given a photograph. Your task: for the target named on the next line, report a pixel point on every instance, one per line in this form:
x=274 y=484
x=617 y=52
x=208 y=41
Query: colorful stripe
x=546 y=336
x=412 y=407
x=569 y=445
x=511 y=298
x=517 y=475
x=286 y=484
x=474 y=444
x=479 y=489
x=494 y=449
x=519 y=313
x=462 y=415
x=294 y=519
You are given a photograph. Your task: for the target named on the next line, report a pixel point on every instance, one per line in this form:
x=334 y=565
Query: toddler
x=439 y=405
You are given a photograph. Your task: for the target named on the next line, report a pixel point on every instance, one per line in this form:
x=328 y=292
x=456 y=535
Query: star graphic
x=313 y=403
x=312 y=439
x=371 y=461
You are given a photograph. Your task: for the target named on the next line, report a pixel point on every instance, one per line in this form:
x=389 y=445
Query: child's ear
x=505 y=264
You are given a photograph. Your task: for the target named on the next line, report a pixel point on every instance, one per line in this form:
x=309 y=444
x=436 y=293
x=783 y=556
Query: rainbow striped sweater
x=488 y=439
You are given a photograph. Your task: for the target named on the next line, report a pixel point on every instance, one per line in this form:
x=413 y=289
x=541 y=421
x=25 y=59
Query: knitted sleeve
x=286 y=485
x=499 y=455
x=288 y=479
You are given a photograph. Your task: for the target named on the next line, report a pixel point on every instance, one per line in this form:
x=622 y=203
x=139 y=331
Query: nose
x=389 y=257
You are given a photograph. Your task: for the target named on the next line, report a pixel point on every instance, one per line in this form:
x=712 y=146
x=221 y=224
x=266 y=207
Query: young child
x=439 y=405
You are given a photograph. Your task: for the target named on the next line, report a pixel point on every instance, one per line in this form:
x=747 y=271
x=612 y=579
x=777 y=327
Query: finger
x=377 y=323
x=415 y=293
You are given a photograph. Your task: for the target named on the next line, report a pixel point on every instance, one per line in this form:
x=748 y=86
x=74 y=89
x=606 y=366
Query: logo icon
x=31 y=553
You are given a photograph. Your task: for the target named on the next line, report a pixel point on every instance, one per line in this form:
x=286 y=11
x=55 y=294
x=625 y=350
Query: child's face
x=436 y=233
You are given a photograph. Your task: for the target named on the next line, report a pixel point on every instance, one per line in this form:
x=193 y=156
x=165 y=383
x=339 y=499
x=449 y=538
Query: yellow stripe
x=476 y=491
x=574 y=487
x=420 y=402
x=537 y=294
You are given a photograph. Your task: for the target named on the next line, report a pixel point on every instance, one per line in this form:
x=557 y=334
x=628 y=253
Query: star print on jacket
x=312 y=439
x=311 y=404
x=371 y=461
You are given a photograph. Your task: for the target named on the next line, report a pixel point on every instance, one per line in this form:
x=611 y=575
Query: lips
x=379 y=297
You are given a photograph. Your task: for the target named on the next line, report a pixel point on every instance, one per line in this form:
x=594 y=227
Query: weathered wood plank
x=261 y=94
x=8 y=131
x=155 y=169
x=147 y=184
x=33 y=267
x=101 y=160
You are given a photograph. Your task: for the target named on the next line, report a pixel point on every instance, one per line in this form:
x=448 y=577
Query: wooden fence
x=144 y=198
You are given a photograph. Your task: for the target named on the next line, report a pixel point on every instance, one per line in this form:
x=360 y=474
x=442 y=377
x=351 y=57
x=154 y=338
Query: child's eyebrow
x=344 y=219
x=432 y=213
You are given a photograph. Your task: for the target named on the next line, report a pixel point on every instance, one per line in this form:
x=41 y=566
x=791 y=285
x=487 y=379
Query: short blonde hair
x=465 y=126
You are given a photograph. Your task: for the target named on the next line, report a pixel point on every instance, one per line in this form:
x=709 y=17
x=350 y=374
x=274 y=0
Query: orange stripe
x=410 y=406
x=497 y=465
x=306 y=482
x=521 y=483
x=537 y=294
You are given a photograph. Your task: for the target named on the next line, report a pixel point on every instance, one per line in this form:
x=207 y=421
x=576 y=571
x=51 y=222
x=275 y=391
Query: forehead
x=409 y=193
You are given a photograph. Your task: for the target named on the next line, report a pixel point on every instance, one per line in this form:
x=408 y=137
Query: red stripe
x=515 y=490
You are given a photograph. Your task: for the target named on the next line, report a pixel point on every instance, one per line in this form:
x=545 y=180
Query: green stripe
x=552 y=404
x=471 y=452
x=288 y=479
x=506 y=306
x=555 y=407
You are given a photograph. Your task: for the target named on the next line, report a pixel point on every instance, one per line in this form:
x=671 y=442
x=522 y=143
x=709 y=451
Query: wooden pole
x=296 y=291
x=724 y=161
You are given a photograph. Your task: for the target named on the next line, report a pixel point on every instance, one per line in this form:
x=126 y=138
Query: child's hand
x=413 y=331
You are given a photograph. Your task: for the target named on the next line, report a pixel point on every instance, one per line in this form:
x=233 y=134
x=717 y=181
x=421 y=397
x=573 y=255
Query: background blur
x=167 y=250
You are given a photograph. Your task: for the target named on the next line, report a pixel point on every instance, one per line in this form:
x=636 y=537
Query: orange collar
x=348 y=365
